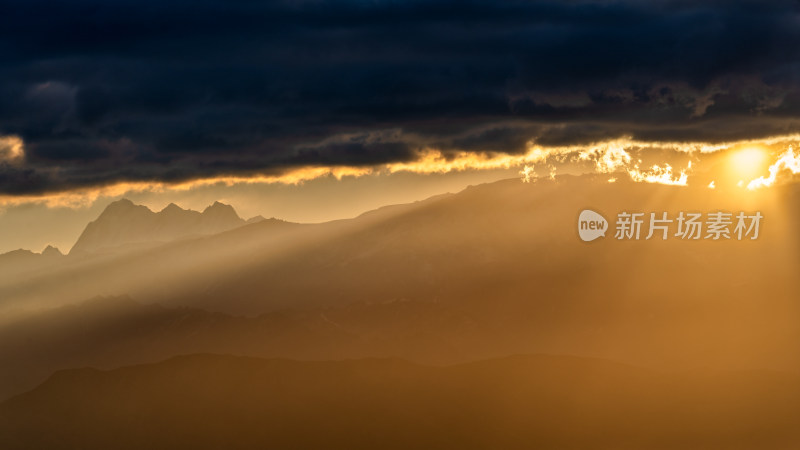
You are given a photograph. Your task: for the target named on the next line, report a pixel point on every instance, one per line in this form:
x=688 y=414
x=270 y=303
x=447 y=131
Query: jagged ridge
x=125 y=223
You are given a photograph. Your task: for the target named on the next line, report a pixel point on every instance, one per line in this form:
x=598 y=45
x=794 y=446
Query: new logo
x=591 y=225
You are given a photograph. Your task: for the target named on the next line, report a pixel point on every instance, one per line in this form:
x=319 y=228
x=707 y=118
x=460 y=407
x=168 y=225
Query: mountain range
x=491 y=271
x=124 y=223
x=124 y=227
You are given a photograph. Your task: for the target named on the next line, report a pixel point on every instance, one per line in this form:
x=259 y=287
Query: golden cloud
x=789 y=161
x=611 y=156
x=12 y=149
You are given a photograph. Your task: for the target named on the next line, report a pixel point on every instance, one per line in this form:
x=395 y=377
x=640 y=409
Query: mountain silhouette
x=51 y=252
x=492 y=270
x=109 y=332
x=256 y=219
x=124 y=223
x=702 y=328
x=17 y=262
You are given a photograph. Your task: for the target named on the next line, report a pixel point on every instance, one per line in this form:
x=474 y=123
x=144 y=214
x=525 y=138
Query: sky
x=315 y=110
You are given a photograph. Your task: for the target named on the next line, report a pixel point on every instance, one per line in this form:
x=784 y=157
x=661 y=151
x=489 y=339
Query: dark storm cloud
x=172 y=90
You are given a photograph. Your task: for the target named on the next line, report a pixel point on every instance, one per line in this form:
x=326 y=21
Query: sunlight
x=748 y=162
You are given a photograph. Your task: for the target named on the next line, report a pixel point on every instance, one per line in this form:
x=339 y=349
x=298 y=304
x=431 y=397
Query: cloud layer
x=171 y=91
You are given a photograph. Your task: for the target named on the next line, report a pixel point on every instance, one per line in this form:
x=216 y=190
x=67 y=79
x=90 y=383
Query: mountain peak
x=218 y=206
x=19 y=252
x=123 y=206
x=220 y=210
x=172 y=207
x=121 y=203
x=51 y=251
x=220 y=216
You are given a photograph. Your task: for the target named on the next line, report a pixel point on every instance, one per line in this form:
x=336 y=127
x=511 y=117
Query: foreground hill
x=207 y=401
x=114 y=332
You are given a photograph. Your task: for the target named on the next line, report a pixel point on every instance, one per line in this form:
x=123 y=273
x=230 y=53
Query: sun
x=748 y=162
